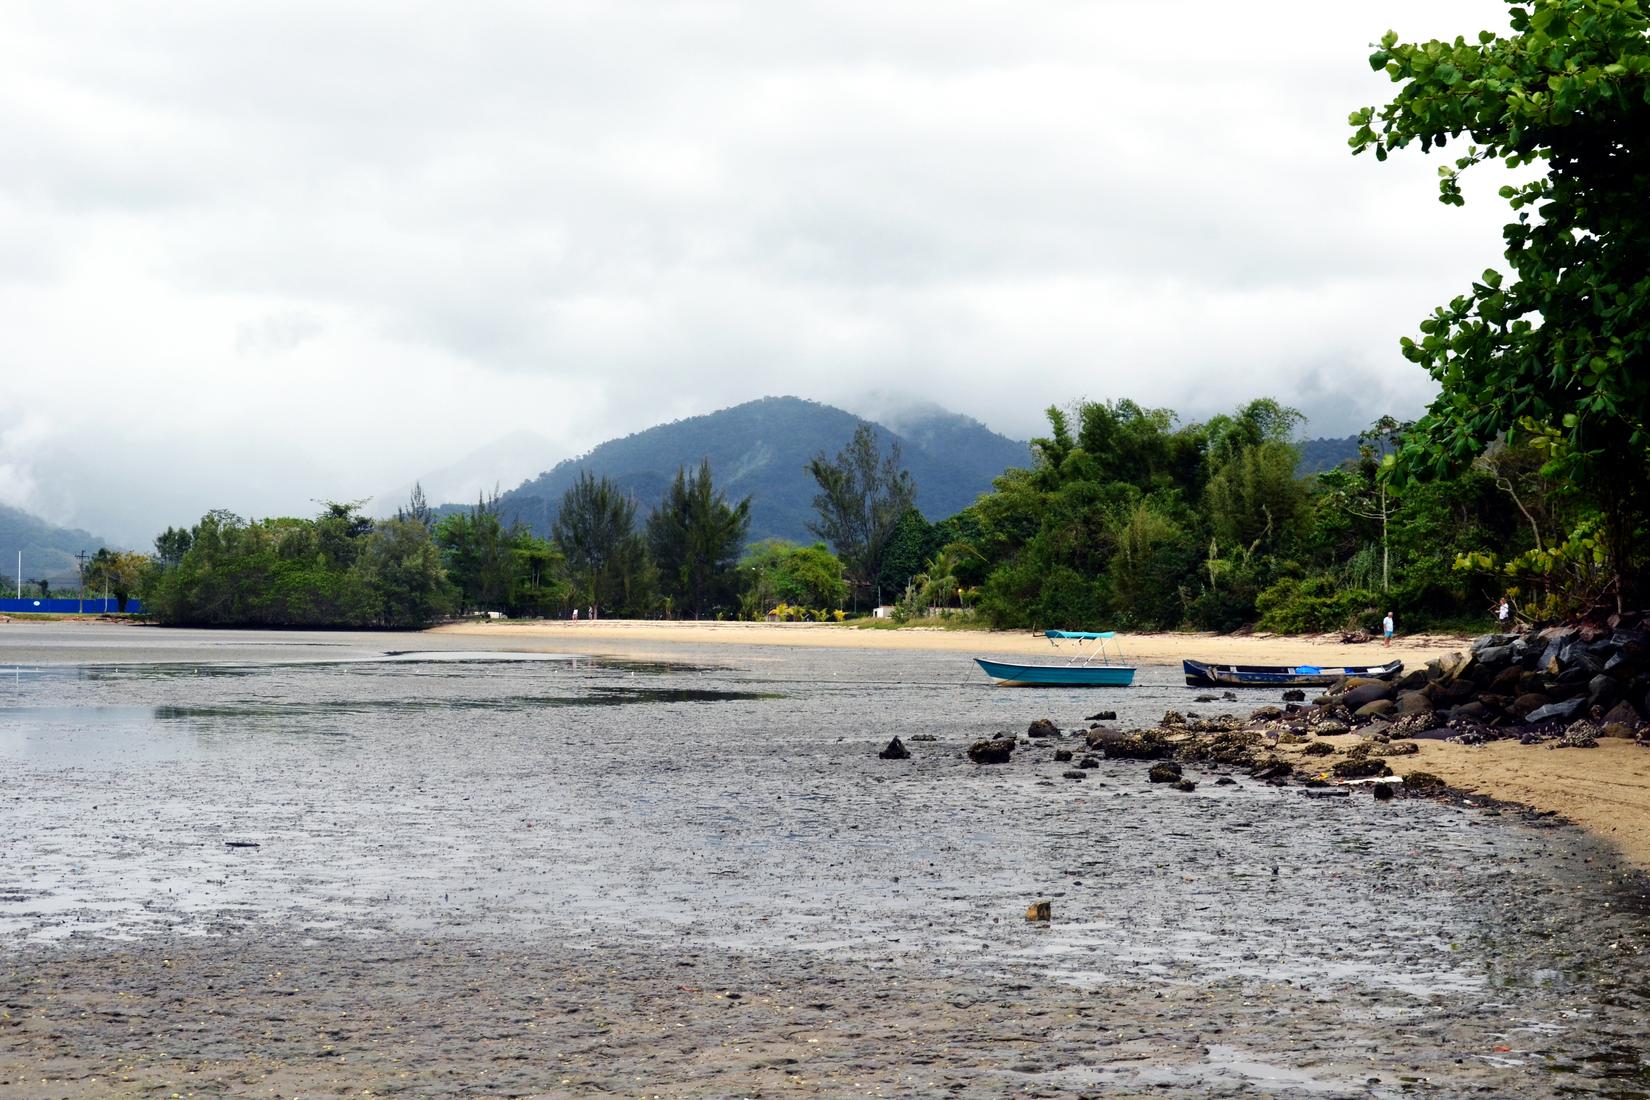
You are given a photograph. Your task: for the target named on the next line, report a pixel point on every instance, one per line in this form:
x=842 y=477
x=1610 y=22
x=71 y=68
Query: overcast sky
x=252 y=255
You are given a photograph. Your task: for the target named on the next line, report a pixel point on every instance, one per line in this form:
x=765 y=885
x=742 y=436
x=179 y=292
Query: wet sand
x=548 y=877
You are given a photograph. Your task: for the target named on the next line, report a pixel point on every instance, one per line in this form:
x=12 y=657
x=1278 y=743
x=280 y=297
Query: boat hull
x=1199 y=674
x=1012 y=674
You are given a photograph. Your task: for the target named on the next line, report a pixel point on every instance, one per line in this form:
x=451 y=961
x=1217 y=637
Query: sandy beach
x=631 y=637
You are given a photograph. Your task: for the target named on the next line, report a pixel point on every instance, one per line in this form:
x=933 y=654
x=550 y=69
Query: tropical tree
x=862 y=495
x=694 y=537
x=1562 y=349
x=606 y=559
x=119 y=572
x=777 y=571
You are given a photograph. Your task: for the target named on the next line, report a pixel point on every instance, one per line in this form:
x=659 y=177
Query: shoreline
x=1604 y=790
x=1145 y=648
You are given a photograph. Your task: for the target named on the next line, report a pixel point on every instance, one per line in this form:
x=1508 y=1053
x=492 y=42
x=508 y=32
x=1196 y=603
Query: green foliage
x=694 y=537
x=606 y=558
x=1561 y=349
x=494 y=568
x=862 y=497
x=908 y=547
x=1315 y=605
x=118 y=572
x=781 y=572
x=338 y=569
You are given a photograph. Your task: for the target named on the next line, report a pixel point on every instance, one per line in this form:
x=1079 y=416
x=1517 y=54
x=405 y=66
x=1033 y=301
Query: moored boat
x=1202 y=674
x=1093 y=668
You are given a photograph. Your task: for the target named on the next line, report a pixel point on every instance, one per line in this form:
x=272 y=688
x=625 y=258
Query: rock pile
x=1507 y=684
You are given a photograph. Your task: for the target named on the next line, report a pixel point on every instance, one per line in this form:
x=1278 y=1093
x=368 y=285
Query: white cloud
x=257 y=254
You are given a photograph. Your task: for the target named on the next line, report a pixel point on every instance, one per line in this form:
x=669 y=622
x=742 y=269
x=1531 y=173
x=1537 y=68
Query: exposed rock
x=1172 y=719
x=1100 y=735
x=1061 y=756
x=1382 y=791
x=1319 y=748
x=1366 y=692
x=1359 y=769
x=896 y=750
x=1397 y=748
x=1423 y=781
x=1089 y=762
x=1561 y=712
x=1580 y=735
x=1411 y=724
x=1617 y=729
x=1040 y=910
x=1042 y=728
x=923 y=737
x=1148 y=745
x=1074 y=774
x=993 y=751
x=1266 y=714
x=1205 y=699
x=1273 y=769
x=1375 y=708
x=1225 y=781
x=1229 y=696
x=1528 y=703
x=1623 y=713
x=1166 y=772
x=1185 y=785
x=1102 y=716
x=1294 y=695
x=1412 y=702
x=1331 y=728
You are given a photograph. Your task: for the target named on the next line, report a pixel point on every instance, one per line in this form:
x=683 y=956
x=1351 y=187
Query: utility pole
x=82 y=558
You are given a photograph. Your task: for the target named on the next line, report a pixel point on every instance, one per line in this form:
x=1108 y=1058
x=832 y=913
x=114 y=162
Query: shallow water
x=732 y=799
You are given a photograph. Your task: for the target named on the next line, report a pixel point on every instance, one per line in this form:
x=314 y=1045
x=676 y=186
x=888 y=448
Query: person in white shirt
x=1386 y=629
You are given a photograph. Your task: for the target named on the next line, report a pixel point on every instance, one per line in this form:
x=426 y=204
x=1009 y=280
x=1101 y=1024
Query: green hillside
x=48 y=551
x=760 y=449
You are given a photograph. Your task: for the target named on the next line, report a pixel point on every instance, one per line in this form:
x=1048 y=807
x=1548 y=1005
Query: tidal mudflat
x=291 y=865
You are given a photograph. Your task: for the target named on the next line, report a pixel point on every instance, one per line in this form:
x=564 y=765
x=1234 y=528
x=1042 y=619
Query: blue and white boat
x=1087 y=668
x=1205 y=674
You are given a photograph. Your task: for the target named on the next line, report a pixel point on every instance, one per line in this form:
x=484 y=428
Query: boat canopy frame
x=1098 y=650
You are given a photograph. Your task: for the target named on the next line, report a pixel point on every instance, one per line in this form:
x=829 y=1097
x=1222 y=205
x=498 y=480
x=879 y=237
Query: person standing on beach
x=1502 y=612
x=1386 y=629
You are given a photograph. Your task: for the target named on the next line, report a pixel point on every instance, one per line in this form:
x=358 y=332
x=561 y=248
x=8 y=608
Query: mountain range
x=761 y=450
x=48 y=551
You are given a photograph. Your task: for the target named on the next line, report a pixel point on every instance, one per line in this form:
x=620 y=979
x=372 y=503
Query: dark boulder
x=1360 y=769
x=1061 y=756
x=1089 y=762
x=1413 y=702
x=1185 y=785
x=1623 y=713
x=1602 y=692
x=1375 y=708
x=1148 y=745
x=1383 y=792
x=1166 y=772
x=997 y=750
x=1074 y=774
x=1423 y=781
x=1103 y=716
x=1365 y=693
x=1561 y=712
x=1529 y=703
x=1042 y=728
x=1294 y=695
x=1319 y=748
x=896 y=750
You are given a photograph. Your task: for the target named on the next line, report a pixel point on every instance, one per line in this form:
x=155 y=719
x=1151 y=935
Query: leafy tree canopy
x=1562 y=349
x=694 y=537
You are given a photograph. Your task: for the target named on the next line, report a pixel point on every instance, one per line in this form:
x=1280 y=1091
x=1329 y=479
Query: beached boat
x=1093 y=667
x=1200 y=674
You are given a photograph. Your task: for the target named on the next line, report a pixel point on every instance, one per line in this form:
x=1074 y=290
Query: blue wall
x=57 y=606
